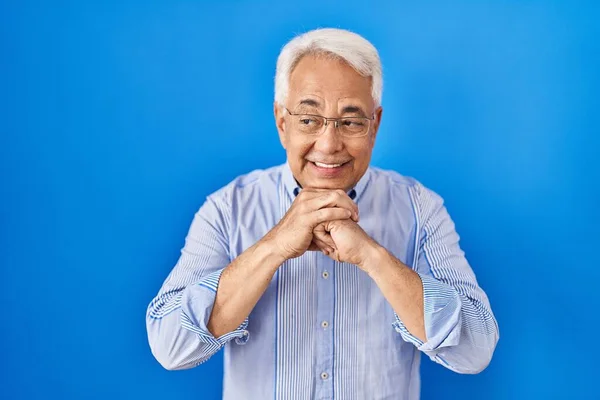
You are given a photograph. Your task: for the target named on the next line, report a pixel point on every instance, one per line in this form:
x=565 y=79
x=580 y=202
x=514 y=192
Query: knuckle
x=322 y=213
x=331 y=197
x=301 y=206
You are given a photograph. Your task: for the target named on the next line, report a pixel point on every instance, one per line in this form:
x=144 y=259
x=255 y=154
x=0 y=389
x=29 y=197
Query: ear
x=278 y=112
x=378 y=113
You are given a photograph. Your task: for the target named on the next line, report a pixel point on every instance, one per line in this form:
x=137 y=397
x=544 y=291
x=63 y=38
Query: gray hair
x=347 y=46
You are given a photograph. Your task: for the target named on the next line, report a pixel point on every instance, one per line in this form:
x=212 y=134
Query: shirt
x=323 y=329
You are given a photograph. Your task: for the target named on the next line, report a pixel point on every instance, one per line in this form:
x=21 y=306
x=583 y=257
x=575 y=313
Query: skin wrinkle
x=327 y=87
x=309 y=105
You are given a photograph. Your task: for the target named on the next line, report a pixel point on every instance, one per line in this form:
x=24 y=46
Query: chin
x=331 y=184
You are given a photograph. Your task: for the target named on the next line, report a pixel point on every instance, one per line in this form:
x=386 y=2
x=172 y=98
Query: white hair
x=344 y=45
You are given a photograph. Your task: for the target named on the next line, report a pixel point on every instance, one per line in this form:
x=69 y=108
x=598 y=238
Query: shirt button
x=324 y=375
x=324 y=324
x=325 y=274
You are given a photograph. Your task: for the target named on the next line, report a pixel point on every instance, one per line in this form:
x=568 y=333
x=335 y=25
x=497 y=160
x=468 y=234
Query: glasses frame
x=336 y=123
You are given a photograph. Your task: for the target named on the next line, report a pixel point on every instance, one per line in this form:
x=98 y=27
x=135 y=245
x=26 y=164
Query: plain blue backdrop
x=118 y=118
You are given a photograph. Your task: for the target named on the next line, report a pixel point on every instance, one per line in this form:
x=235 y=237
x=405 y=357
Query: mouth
x=326 y=165
x=328 y=170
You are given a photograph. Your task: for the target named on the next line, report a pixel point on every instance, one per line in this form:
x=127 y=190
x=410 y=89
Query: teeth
x=318 y=164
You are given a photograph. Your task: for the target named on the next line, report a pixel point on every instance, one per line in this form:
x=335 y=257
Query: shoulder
x=248 y=185
x=392 y=178
x=401 y=186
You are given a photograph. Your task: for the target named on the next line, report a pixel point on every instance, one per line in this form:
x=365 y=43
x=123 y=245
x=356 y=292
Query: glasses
x=310 y=124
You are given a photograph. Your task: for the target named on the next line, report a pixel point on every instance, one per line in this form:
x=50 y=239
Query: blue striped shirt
x=322 y=329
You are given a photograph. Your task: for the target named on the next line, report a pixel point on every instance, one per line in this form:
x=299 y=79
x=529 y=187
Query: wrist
x=269 y=247
x=374 y=256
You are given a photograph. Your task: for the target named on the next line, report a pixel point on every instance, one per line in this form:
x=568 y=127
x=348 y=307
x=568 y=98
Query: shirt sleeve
x=461 y=329
x=177 y=318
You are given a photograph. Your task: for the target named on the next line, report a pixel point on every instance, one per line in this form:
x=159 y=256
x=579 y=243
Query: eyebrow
x=353 y=110
x=310 y=103
x=350 y=109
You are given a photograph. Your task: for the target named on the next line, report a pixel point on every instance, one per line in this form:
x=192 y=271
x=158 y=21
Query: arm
x=245 y=280
x=206 y=300
x=178 y=321
x=401 y=286
x=460 y=329
x=242 y=284
x=439 y=306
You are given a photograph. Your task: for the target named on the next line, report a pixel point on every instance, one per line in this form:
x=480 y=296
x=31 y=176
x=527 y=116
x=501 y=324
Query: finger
x=302 y=201
x=315 y=198
x=319 y=245
x=334 y=255
x=320 y=234
x=324 y=245
x=334 y=198
x=328 y=214
x=322 y=238
x=310 y=193
x=314 y=247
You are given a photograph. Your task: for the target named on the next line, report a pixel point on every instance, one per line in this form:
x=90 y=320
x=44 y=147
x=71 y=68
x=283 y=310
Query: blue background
x=119 y=118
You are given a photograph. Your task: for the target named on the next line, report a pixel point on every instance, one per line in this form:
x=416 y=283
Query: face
x=333 y=89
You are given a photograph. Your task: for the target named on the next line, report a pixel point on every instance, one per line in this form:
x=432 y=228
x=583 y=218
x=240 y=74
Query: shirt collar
x=293 y=188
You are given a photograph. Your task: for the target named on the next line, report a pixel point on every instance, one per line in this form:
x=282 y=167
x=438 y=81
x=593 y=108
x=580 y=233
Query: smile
x=323 y=165
x=329 y=170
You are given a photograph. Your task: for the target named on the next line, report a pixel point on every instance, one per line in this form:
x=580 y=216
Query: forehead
x=328 y=81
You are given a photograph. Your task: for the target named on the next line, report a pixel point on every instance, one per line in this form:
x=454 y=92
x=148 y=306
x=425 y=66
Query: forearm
x=401 y=287
x=439 y=305
x=204 y=302
x=241 y=285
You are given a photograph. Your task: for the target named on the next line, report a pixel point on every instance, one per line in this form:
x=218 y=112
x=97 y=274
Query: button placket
x=324 y=326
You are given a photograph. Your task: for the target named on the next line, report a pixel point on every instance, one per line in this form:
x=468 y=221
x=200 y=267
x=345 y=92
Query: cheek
x=298 y=148
x=361 y=152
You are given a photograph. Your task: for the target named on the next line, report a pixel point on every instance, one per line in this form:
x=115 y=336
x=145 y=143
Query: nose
x=329 y=142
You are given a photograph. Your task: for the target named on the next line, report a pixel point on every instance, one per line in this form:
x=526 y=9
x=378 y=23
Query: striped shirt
x=323 y=329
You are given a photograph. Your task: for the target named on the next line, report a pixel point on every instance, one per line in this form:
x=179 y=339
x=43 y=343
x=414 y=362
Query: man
x=323 y=278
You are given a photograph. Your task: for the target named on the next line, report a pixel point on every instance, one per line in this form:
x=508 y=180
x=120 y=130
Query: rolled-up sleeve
x=461 y=329
x=196 y=307
x=177 y=318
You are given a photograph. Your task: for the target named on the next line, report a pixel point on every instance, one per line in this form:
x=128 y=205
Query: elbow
x=179 y=350
x=169 y=358
x=484 y=355
x=167 y=349
x=165 y=360
x=474 y=361
x=162 y=354
x=470 y=366
x=168 y=362
x=177 y=343
x=478 y=365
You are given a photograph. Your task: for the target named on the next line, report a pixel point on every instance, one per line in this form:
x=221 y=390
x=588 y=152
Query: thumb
x=331 y=226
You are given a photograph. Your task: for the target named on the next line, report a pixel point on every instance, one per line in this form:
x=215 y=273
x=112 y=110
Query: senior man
x=323 y=277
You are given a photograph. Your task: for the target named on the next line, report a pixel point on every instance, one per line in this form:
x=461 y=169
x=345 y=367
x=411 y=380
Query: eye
x=306 y=120
x=353 y=123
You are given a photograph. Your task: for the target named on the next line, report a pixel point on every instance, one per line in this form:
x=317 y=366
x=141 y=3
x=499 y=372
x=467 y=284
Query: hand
x=293 y=235
x=352 y=244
